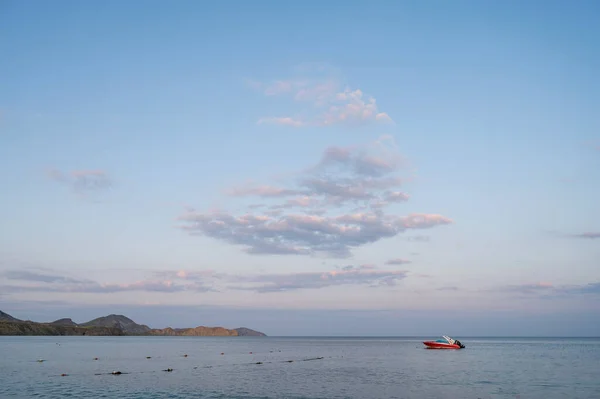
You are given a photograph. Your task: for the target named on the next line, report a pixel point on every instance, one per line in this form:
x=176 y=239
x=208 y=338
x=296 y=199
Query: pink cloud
x=305 y=234
x=423 y=220
x=330 y=208
x=285 y=121
x=336 y=107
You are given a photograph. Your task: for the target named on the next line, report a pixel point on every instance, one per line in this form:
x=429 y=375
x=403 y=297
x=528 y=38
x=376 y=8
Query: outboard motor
x=457 y=342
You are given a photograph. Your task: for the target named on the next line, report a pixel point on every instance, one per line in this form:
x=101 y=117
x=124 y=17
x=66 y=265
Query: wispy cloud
x=531 y=288
x=418 y=238
x=549 y=289
x=314 y=215
x=330 y=104
x=83 y=182
x=397 y=261
x=176 y=281
x=58 y=283
x=448 y=288
x=589 y=235
x=296 y=281
x=284 y=121
x=25 y=275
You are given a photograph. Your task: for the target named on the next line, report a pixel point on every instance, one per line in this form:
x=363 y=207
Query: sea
x=297 y=368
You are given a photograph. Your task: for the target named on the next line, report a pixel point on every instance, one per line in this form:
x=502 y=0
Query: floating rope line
x=169 y=370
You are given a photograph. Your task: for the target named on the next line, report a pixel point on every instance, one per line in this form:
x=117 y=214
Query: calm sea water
x=350 y=368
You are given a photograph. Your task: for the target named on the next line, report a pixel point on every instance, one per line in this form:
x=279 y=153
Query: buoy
x=250 y=352
x=148 y=357
x=40 y=360
x=185 y=355
x=116 y=372
x=95 y=358
x=259 y=362
x=63 y=375
x=168 y=370
x=222 y=353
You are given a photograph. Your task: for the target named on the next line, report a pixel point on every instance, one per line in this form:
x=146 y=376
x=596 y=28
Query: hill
x=118 y=321
x=246 y=332
x=199 y=331
x=111 y=325
x=32 y=328
x=64 y=322
x=6 y=317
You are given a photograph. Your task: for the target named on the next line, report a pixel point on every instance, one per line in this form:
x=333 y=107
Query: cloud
x=284 y=121
x=585 y=235
x=549 y=289
x=397 y=261
x=365 y=274
x=97 y=288
x=531 y=288
x=262 y=191
x=330 y=103
x=591 y=288
x=331 y=208
x=61 y=284
x=367 y=173
x=24 y=275
x=200 y=281
x=83 y=182
x=350 y=275
x=418 y=238
x=359 y=267
x=350 y=106
x=305 y=234
x=588 y=235
x=449 y=288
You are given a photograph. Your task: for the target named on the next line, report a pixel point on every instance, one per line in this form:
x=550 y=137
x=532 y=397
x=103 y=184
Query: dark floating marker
x=63 y=375
x=41 y=360
x=168 y=370
x=148 y=357
x=259 y=362
x=95 y=358
x=250 y=352
x=222 y=353
x=185 y=355
x=116 y=373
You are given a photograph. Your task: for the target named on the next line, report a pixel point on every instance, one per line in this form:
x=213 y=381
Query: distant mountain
x=64 y=322
x=246 y=332
x=111 y=325
x=7 y=317
x=118 y=321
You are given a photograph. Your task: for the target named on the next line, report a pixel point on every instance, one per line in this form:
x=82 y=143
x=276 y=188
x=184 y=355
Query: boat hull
x=440 y=345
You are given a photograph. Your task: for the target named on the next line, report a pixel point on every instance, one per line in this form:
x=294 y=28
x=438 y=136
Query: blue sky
x=322 y=161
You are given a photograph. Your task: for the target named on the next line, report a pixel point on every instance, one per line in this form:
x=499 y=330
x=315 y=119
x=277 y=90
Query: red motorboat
x=446 y=343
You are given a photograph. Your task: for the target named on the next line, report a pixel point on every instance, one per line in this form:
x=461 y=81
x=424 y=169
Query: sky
x=387 y=168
